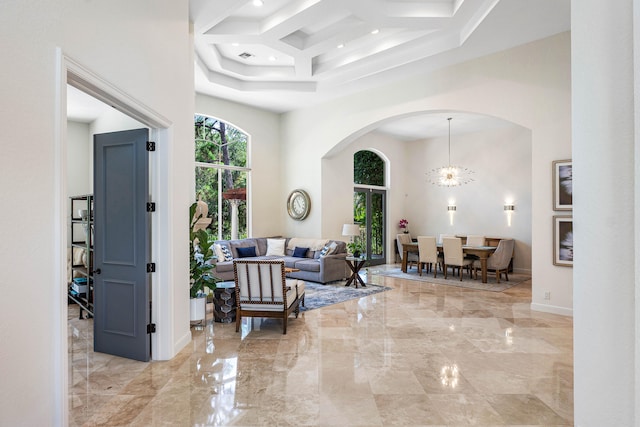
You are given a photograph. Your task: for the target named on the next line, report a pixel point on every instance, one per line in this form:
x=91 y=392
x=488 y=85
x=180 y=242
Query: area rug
x=491 y=285
x=317 y=295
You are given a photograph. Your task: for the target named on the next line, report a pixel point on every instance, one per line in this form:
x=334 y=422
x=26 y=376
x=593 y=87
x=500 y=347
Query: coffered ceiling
x=285 y=54
x=288 y=54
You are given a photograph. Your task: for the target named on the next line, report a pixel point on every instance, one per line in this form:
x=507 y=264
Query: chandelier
x=450 y=176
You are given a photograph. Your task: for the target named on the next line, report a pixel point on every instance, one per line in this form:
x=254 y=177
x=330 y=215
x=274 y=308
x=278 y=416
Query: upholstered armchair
x=499 y=260
x=262 y=290
x=428 y=254
x=402 y=239
x=454 y=256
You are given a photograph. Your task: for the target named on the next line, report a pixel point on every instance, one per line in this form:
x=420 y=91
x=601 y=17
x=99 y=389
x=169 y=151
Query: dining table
x=482 y=252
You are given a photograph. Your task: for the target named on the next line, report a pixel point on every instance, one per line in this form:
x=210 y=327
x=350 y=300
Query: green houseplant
x=356 y=248
x=200 y=259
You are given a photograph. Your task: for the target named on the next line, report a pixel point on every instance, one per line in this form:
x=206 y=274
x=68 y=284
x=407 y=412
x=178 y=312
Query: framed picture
x=562 y=185
x=563 y=240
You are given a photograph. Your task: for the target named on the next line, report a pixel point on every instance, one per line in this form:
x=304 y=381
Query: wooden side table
x=355 y=264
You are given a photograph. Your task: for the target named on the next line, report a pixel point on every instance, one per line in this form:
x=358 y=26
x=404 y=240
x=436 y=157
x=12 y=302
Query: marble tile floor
x=418 y=355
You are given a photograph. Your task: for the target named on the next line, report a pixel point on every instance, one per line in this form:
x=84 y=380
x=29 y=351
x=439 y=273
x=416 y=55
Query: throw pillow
x=275 y=247
x=226 y=253
x=300 y=252
x=217 y=250
x=246 y=252
x=329 y=249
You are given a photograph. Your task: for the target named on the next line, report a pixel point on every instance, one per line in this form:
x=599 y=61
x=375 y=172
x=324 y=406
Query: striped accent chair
x=262 y=290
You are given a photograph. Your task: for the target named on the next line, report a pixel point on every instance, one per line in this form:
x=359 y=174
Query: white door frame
x=71 y=72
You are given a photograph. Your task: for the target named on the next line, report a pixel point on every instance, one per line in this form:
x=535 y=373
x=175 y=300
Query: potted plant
x=356 y=248
x=200 y=265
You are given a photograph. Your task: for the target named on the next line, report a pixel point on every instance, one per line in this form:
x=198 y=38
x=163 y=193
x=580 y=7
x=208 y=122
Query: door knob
x=97 y=271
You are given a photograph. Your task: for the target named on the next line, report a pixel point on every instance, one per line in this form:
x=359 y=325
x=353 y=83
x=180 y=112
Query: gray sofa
x=313 y=266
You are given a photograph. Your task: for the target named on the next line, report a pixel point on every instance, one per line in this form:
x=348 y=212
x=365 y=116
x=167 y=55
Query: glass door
x=369 y=213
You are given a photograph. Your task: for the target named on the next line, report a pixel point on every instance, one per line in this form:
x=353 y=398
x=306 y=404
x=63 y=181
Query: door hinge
x=151 y=207
x=151 y=328
x=151 y=146
x=151 y=267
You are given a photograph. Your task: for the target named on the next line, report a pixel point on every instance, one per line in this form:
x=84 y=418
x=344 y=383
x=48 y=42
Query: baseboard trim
x=552 y=309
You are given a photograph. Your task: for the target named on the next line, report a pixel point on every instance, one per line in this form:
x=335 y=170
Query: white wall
x=263 y=127
x=143 y=48
x=78 y=152
x=337 y=183
x=528 y=86
x=606 y=128
x=501 y=161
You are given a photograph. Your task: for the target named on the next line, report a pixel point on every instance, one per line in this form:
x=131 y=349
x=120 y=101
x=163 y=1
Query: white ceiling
x=295 y=60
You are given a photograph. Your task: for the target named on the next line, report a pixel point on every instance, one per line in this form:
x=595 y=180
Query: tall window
x=369 y=203
x=222 y=173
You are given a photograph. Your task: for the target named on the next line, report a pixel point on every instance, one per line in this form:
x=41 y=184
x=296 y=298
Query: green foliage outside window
x=225 y=148
x=368 y=169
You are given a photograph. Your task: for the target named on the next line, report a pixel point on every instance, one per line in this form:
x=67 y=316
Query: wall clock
x=298 y=204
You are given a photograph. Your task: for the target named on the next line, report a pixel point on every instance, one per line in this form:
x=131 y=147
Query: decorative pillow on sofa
x=300 y=252
x=222 y=252
x=329 y=249
x=246 y=252
x=275 y=247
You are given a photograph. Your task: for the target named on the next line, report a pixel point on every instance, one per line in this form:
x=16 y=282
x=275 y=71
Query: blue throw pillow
x=246 y=252
x=300 y=252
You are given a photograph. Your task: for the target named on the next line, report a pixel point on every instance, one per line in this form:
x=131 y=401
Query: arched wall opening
x=498 y=151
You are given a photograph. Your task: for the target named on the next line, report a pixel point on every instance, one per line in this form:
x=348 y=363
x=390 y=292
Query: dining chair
x=442 y=236
x=454 y=256
x=262 y=290
x=412 y=258
x=476 y=240
x=428 y=254
x=499 y=261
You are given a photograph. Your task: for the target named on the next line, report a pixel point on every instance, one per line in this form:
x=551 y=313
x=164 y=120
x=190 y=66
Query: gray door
x=122 y=242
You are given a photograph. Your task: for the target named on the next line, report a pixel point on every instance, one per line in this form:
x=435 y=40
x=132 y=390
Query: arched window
x=369 y=203
x=222 y=174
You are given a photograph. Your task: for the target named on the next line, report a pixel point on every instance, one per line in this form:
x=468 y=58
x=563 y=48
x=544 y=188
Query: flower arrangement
x=403 y=224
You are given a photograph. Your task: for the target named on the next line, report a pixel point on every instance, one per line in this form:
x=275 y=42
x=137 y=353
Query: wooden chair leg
x=420 y=268
x=238 y=317
x=497 y=276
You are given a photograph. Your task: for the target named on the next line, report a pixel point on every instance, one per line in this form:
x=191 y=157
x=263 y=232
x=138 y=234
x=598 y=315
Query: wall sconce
x=451 y=209
x=509 y=208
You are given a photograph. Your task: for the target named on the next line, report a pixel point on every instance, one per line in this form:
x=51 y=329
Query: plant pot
x=197 y=308
x=356 y=254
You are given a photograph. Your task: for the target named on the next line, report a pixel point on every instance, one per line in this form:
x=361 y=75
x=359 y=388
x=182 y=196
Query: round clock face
x=298 y=204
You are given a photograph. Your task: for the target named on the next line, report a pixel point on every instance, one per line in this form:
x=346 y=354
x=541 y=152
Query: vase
x=197 y=308
x=406 y=231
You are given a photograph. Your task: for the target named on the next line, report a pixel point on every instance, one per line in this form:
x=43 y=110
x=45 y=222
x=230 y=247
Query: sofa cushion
x=299 y=252
x=246 y=252
x=275 y=247
x=224 y=266
x=241 y=243
x=307 y=265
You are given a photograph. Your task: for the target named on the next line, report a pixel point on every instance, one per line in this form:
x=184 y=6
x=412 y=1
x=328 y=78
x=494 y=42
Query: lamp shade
x=350 y=230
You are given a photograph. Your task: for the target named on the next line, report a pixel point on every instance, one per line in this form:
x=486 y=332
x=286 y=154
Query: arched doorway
x=369 y=204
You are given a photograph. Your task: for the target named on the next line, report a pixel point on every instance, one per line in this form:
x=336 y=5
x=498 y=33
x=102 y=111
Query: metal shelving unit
x=81 y=227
